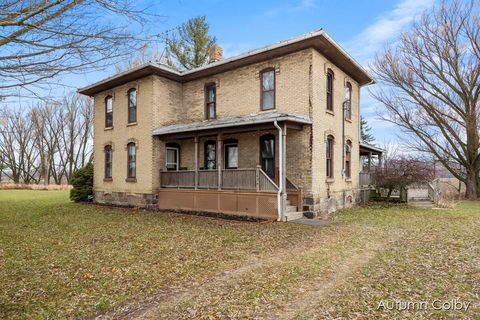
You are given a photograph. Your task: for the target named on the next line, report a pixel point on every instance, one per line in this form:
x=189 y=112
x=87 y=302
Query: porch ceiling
x=252 y=120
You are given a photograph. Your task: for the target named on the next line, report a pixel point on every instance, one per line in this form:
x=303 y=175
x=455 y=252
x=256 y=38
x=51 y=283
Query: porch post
x=284 y=169
x=196 y=162
x=369 y=161
x=219 y=159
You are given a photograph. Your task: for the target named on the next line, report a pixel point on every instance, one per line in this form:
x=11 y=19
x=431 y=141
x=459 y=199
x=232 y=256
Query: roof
x=251 y=119
x=319 y=40
x=370 y=148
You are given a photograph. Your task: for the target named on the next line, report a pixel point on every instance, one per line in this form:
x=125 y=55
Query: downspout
x=281 y=173
x=343 y=150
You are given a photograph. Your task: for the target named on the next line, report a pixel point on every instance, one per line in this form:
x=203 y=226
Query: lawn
x=64 y=260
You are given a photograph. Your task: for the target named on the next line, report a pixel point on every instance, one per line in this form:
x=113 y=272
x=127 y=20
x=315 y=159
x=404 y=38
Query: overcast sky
x=361 y=27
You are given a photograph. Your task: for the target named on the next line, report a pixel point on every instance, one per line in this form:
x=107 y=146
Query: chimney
x=216 y=53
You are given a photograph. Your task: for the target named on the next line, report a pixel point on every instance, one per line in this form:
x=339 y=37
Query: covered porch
x=370 y=158
x=234 y=165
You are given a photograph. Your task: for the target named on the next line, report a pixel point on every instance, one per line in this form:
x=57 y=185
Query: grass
x=64 y=260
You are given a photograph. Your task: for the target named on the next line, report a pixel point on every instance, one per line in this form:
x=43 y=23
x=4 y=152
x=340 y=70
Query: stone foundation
x=323 y=206
x=126 y=199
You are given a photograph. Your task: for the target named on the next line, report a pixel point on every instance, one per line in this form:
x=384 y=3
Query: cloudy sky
x=361 y=27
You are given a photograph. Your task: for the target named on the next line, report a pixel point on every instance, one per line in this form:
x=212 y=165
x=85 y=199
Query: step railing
x=434 y=191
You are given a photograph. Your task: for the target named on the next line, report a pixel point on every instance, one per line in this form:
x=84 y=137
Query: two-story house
x=267 y=133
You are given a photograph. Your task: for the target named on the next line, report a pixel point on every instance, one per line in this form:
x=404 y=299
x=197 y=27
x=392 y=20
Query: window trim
x=262 y=72
x=108 y=177
x=330 y=91
x=129 y=177
x=329 y=157
x=205 y=164
x=206 y=88
x=226 y=144
x=261 y=140
x=348 y=116
x=177 y=164
x=129 y=121
x=348 y=159
x=106 y=112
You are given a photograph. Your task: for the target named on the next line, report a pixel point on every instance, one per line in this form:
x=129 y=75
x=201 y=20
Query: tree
x=82 y=182
x=365 y=131
x=40 y=39
x=191 y=48
x=398 y=172
x=431 y=88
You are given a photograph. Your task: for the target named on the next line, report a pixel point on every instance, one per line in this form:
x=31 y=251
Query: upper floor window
x=267 y=98
x=348 y=159
x=108 y=162
x=329 y=157
x=108 y=112
x=230 y=147
x=210 y=155
x=348 y=99
x=131 y=160
x=132 y=106
x=330 y=77
x=211 y=101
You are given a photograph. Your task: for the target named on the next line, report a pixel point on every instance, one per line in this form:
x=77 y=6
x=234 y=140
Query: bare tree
x=431 y=87
x=40 y=39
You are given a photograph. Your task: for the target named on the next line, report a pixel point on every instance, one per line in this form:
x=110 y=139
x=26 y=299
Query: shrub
x=82 y=182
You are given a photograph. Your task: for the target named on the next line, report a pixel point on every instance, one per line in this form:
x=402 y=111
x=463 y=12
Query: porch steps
x=425 y=203
x=289 y=216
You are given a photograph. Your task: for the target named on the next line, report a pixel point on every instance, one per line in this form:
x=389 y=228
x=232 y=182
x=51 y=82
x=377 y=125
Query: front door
x=172 y=159
x=267 y=154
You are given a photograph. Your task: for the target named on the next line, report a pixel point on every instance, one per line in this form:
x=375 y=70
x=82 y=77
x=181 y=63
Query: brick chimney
x=216 y=53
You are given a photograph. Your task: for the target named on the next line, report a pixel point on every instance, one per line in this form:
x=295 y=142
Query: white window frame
x=177 y=164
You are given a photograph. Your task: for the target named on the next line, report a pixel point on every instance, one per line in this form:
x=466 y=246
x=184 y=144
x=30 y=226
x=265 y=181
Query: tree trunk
x=472 y=188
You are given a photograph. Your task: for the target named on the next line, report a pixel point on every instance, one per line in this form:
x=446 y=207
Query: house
x=270 y=133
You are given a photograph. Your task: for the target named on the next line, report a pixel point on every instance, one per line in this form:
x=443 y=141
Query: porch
x=370 y=158
x=234 y=165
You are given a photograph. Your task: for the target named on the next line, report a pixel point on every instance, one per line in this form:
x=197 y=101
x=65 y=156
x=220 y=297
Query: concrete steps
x=289 y=216
x=424 y=203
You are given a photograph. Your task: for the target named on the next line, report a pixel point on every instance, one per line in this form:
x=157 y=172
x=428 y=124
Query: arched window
x=329 y=157
x=330 y=78
x=348 y=99
x=132 y=160
x=230 y=147
x=267 y=87
x=348 y=159
x=210 y=154
x=172 y=161
x=108 y=162
x=132 y=106
x=210 y=101
x=108 y=112
x=267 y=154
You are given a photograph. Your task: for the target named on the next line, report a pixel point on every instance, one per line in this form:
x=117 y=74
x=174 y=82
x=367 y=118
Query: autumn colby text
x=400 y=305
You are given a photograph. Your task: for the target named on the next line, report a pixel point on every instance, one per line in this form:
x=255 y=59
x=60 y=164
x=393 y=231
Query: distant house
x=270 y=133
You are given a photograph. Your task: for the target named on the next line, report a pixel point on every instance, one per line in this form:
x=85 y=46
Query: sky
x=362 y=27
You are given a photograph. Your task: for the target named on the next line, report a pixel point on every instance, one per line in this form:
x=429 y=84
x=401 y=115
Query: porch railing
x=365 y=178
x=231 y=179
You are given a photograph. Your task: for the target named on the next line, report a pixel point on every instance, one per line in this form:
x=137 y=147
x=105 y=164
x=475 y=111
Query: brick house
x=270 y=133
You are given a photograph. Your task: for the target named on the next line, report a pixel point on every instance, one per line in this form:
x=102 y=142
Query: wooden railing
x=434 y=191
x=365 y=179
x=231 y=179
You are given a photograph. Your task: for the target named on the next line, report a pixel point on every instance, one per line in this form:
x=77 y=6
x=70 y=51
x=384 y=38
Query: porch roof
x=229 y=122
x=366 y=149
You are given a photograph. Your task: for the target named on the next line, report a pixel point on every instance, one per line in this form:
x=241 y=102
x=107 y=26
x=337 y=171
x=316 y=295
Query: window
x=108 y=112
x=108 y=162
x=267 y=154
x=132 y=106
x=330 y=90
x=132 y=161
x=330 y=140
x=210 y=101
x=173 y=157
x=348 y=159
x=231 y=153
x=267 y=98
x=210 y=155
x=348 y=98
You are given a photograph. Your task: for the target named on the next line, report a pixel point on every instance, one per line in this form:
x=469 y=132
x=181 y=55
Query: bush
x=82 y=182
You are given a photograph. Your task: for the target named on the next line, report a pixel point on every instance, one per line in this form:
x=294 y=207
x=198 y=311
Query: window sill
x=330 y=112
x=108 y=128
x=131 y=180
x=131 y=124
x=267 y=110
x=348 y=179
x=107 y=179
x=330 y=180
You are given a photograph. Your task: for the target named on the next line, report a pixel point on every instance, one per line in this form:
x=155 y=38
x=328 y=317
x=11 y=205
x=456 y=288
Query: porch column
x=196 y=162
x=219 y=159
x=369 y=161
